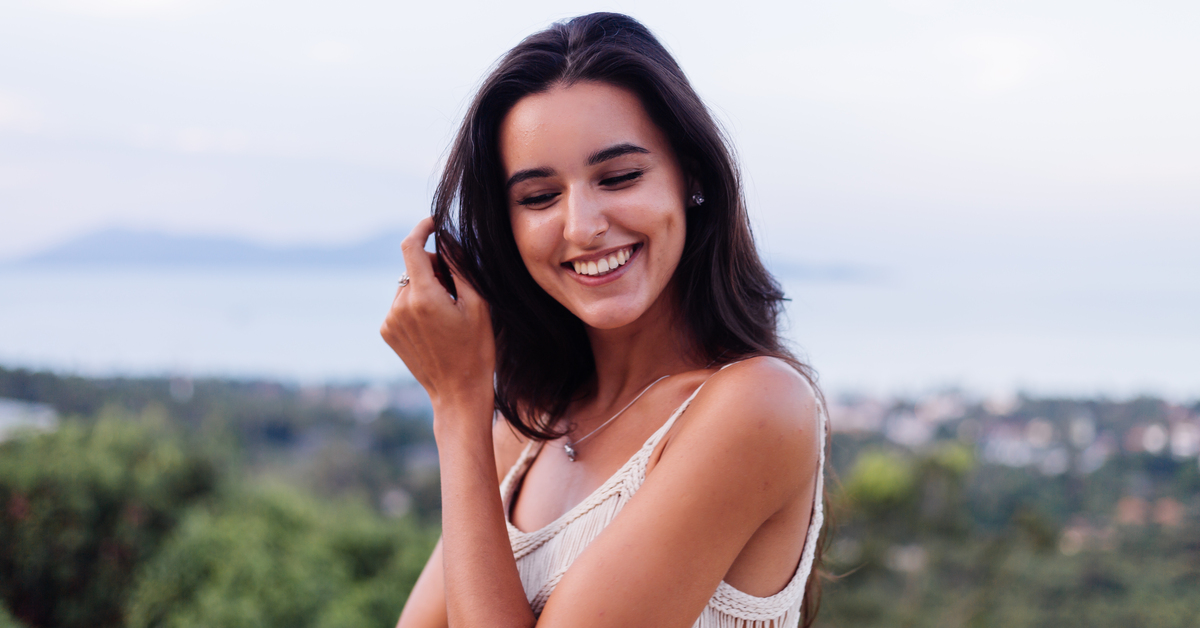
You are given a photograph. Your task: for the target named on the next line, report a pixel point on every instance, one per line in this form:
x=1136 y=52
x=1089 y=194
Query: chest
x=552 y=484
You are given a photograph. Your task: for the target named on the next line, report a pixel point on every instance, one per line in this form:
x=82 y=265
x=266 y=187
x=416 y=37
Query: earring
x=698 y=199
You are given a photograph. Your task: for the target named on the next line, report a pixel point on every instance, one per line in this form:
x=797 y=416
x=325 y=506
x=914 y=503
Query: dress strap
x=652 y=442
x=516 y=473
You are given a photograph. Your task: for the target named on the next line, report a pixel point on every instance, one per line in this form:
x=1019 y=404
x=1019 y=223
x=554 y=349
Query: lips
x=604 y=265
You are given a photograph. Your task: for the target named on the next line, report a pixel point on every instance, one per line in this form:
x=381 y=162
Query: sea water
x=883 y=332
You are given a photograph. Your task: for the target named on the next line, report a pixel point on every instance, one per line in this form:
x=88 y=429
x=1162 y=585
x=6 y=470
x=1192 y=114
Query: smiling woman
x=624 y=439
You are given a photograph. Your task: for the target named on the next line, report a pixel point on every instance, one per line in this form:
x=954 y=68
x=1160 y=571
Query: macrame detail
x=544 y=555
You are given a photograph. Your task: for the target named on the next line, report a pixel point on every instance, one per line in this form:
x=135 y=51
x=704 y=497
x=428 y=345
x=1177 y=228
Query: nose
x=585 y=218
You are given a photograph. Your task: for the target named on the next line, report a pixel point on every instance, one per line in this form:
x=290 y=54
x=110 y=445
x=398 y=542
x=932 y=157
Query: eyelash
x=537 y=200
x=625 y=178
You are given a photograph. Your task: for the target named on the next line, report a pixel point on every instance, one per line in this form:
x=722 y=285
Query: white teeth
x=604 y=264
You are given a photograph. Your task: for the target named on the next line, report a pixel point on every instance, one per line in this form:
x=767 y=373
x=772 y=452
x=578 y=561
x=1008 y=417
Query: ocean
x=884 y=333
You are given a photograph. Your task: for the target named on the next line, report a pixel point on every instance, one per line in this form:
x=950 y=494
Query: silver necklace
x=569 y=446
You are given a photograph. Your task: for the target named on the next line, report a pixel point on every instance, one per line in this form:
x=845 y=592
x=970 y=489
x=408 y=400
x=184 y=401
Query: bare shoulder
x=767 y=390
x=760 y=415
x=507 y=444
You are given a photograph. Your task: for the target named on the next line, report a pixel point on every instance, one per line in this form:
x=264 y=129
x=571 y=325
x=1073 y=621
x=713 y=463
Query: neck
x=628 y=358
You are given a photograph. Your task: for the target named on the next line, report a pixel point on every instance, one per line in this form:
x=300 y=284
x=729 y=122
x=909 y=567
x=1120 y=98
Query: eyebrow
x=612 y=152
x=525 y=175
x=598 y=157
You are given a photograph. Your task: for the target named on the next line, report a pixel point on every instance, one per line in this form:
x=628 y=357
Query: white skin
x=729 y=491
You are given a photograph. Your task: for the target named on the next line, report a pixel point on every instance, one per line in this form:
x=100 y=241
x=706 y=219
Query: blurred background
x=985 y=215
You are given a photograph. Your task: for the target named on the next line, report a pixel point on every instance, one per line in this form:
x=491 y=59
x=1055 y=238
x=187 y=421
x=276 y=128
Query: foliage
x=82 y=508
x=217 y=510
x=1006 y=583
x=319 y=437
x=273 y=558
x=880 y=481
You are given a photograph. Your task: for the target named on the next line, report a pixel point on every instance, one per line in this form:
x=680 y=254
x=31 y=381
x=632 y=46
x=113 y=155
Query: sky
x=970 y=124
x=1050 y=142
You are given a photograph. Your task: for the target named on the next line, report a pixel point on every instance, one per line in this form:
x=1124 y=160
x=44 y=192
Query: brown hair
x=728 y=300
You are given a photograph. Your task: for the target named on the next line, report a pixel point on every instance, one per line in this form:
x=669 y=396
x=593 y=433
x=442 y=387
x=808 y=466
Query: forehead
x=562 y=126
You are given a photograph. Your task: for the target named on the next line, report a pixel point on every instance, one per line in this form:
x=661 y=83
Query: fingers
x=416 y=263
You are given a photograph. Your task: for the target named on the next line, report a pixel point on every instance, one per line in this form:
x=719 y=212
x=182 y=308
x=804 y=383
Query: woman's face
x=596 y=199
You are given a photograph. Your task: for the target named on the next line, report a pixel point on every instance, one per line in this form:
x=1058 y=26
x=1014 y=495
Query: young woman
x=624 y=440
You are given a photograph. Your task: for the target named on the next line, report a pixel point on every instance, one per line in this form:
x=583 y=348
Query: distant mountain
x=119 y=247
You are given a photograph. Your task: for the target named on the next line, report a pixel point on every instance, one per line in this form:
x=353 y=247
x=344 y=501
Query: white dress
x=544 y=555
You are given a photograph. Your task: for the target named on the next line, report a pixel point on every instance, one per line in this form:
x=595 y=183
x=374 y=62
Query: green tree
x=82 y=508
x=275 y=558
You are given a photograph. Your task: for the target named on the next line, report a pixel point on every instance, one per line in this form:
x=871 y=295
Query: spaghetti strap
x=666 y=427
x=517 y=472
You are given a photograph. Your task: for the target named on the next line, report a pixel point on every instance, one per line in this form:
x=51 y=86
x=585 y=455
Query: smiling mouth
x=604 y=265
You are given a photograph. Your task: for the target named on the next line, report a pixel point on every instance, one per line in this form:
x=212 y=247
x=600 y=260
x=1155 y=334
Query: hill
x=122 y=247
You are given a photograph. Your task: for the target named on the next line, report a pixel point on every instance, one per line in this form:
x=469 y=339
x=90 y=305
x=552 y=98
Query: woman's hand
x=448 y=346
x=446 y=343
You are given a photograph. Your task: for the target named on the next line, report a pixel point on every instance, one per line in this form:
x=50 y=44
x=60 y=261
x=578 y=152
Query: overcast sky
x=1048 y=126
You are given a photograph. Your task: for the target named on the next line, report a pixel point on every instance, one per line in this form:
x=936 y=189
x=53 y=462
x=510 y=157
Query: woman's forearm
x=426 y=604
x=483 y=587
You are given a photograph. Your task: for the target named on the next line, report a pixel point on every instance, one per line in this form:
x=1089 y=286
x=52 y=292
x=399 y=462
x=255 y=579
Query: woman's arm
x=426 y=605
x=483 y=587
x=448 y=346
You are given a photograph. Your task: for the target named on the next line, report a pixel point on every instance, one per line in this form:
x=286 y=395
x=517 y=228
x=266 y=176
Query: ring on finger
x=403 y=280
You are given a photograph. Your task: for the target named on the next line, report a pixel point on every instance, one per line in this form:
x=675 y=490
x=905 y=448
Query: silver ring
x=403 y=280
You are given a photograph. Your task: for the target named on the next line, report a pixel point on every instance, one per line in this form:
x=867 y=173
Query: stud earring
x=698 y=199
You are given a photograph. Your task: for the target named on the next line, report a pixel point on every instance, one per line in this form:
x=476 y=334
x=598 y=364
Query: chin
x=609 y=317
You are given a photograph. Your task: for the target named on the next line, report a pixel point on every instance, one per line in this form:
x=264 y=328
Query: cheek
x=672 y=223
x=671 y=240
x=533 y=233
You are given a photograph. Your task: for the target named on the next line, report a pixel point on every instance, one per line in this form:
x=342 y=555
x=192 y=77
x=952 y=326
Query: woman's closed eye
x=622 y=178
x=538 y=199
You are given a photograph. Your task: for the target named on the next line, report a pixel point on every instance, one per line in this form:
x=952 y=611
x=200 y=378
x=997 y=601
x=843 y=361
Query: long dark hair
x=727 y=299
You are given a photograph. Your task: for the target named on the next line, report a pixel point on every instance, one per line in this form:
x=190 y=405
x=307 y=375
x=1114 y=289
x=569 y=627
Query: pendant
x=570 y=452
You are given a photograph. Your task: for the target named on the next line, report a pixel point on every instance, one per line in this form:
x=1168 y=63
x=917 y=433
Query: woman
x=655 y=456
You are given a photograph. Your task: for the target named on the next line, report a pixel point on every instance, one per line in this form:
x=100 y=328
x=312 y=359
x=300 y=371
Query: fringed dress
x=543 y=556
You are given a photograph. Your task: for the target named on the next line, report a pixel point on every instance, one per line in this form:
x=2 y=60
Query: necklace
x=569 y=446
